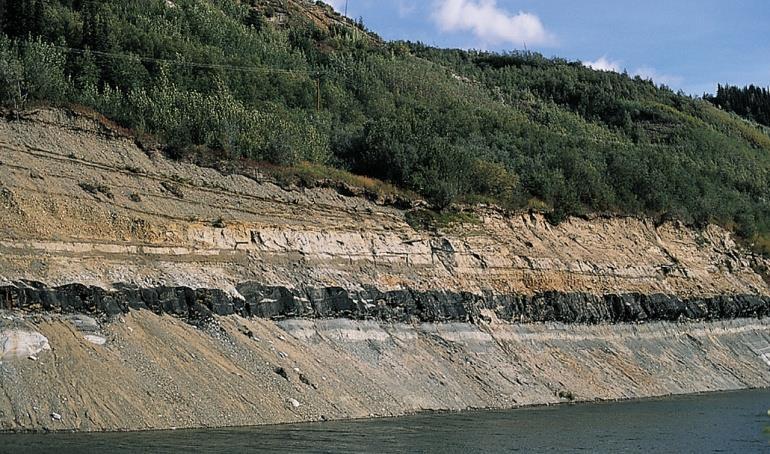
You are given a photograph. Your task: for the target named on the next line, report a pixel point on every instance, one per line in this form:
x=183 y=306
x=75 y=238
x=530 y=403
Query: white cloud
x=338 y=5
x=645 y=72
x=489 y=23
x=648 y=73
x=405 y=8
x=604 y=64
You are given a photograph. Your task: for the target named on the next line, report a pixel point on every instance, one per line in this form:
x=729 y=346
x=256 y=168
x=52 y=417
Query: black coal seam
x=275 y=302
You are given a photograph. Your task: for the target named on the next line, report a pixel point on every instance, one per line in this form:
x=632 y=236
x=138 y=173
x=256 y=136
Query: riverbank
x=143 y=371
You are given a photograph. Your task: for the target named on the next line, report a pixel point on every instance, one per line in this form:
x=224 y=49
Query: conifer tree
x=37 y=18
x=3 y=15
x=17 y=18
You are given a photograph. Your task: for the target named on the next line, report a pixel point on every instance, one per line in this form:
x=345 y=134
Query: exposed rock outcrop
x=395 y=306
x=176 y=296
x=15 y=343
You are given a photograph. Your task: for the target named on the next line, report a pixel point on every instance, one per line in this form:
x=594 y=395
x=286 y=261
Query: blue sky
x=687 y=44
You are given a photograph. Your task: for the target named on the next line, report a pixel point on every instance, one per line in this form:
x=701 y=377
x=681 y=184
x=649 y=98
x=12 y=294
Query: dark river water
x=730 y=422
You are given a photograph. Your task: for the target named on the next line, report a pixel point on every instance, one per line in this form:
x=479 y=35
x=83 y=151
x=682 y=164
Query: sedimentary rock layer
x=404 y=306
x=158 y=372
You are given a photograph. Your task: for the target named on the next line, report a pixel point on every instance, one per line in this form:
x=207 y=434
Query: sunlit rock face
x=142 y=293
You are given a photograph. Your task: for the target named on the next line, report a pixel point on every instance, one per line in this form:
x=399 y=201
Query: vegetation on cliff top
x=255 y=80
x=750 y=102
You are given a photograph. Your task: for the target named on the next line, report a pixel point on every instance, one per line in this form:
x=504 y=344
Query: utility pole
x=346 y=8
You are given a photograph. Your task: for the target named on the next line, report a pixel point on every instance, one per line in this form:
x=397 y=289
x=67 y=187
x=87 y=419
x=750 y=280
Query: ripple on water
x=725 y=422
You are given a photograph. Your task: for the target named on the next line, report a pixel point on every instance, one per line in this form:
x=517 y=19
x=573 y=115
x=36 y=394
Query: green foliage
x=44 y=71
x=434 y=220
x=751 y=102
x=33 y=70
x=22 y=18
x=11 y=74
x=515 y=129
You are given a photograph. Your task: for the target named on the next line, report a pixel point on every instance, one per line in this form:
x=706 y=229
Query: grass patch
x=424 y=219
x=308 y=174
x=761 y=244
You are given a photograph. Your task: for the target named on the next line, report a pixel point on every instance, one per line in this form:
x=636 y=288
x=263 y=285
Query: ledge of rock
x=404 y=306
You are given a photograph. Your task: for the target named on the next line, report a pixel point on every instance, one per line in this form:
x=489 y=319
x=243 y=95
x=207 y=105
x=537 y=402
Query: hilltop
x=294 y=84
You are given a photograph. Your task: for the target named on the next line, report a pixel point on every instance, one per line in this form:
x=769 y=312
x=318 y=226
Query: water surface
x=725 y=422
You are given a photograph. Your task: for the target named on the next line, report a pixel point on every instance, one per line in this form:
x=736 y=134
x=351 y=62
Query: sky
x=689 y=45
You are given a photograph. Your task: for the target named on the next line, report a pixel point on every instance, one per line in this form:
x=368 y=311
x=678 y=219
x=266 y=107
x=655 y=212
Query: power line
x=251 y=69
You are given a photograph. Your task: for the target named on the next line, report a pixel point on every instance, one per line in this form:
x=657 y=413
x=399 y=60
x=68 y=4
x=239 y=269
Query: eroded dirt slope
x=156 y=372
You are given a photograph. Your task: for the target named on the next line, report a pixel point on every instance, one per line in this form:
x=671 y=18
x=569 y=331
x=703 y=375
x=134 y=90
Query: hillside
x=292 y=81
x=139 y=292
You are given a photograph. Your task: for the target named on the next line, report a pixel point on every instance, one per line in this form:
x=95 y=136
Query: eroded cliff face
x=83 y=204
x=140 y=285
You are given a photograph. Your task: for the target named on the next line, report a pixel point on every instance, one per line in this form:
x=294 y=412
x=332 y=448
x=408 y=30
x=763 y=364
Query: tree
x=254 y=19
x=3 y=15
x=37 y=19
x=21 y=18
x=11 y=75
x=751 y=101
x=17 y=18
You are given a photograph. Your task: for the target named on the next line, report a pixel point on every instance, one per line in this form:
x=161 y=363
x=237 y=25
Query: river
x=722 y=422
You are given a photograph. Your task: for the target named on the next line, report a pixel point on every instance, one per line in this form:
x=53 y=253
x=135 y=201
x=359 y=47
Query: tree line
x=751 y=102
